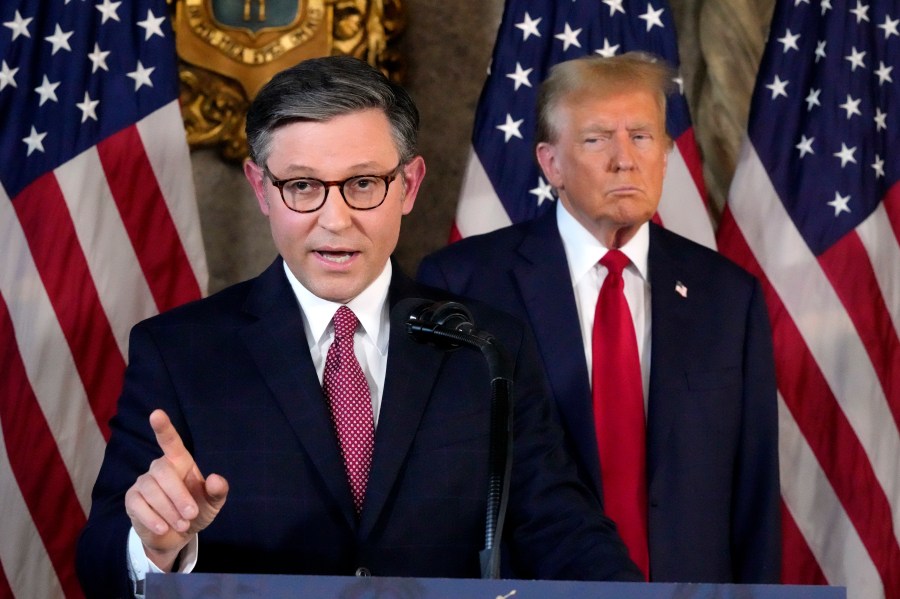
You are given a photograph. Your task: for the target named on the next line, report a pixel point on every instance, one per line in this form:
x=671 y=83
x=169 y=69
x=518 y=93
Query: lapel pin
x=680 y=289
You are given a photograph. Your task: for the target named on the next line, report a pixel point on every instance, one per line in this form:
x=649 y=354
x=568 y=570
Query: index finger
x=170 y=442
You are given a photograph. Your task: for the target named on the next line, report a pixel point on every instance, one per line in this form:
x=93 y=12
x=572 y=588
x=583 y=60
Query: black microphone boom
x=449 y=325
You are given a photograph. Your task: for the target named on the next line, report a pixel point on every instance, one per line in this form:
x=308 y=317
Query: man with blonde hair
x=657 y=349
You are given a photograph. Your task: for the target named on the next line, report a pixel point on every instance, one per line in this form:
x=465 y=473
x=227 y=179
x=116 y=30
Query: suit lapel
x=554 y=320
x=412 y=369
x=278 y=345
x=671 y=316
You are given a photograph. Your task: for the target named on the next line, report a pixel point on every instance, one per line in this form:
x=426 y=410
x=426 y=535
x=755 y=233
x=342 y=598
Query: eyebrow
x=602 y=128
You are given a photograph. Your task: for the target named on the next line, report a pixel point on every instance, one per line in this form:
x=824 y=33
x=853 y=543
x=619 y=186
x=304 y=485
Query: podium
x=254 y=586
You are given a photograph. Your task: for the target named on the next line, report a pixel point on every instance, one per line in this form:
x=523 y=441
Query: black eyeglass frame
x=280 y=183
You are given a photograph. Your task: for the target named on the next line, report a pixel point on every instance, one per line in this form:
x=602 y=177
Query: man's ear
x=256 y=176
x=546 y=156
x=413 y=173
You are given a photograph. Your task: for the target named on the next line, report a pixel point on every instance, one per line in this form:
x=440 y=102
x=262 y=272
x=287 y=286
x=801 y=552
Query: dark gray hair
x=320 y=89
x=600 y=76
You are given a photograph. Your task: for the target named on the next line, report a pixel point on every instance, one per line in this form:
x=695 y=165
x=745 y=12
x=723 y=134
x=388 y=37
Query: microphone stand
x=450 y=325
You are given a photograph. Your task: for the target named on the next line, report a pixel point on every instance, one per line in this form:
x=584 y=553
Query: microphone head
x=437 y=323
x=451 y=316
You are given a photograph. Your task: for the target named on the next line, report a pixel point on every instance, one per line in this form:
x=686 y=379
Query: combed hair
x=601 y=76
x=320 y=89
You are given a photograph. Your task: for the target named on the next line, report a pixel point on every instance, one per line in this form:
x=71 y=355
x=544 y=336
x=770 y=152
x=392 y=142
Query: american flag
x=814 y=212
x=98 y=229
x=503 y=183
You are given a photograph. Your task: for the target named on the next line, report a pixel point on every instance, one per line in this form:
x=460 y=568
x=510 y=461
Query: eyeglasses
x=362 y=192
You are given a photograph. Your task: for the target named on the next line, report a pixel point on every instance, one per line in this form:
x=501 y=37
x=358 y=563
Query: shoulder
x=669 y=249
x=228 y=307
x=500 y=240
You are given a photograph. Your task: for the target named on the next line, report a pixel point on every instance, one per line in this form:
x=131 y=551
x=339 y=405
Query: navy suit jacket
x=712 y=450
x=234 y=373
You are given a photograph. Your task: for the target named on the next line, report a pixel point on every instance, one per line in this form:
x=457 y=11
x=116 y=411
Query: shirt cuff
x=139 y=564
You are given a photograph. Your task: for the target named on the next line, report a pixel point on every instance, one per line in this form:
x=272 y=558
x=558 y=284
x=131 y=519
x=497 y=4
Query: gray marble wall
x=448 y=47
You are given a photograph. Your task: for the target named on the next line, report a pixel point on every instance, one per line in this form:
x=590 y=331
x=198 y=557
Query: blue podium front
x=254 y=586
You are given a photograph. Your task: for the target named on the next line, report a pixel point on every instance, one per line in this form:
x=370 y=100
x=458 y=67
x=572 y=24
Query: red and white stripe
x=835 y=328
x=105 y=240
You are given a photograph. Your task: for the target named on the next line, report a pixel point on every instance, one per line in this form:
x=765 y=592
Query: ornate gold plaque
x=230 y=48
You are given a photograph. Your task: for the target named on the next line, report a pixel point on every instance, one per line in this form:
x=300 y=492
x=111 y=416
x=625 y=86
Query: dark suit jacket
x=234 y=373
x=712 y=451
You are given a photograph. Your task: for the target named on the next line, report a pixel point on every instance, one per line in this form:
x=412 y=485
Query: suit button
x=363 y=571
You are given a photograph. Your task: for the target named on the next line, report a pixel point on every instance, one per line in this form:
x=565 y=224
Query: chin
x=330 y=293
x=634 y=216
x=340 y=296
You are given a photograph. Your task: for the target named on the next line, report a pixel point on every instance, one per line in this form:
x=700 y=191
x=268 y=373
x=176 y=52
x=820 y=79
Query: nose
x=334 y=215
x=622 y=156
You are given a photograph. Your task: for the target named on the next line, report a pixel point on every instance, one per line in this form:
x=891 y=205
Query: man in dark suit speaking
x=658 y=350
x=339 y=445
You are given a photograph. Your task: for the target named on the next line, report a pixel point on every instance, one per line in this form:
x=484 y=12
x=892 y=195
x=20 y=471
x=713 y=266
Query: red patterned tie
x=619 y=412
x=351 y=405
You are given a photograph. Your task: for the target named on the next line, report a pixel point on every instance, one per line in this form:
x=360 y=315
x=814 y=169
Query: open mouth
x=336 y=257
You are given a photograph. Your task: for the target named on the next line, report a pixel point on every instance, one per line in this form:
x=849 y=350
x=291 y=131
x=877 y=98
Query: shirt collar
x=370 y=307
x=583 y=250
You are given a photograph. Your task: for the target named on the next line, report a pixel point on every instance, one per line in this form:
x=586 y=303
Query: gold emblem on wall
x=229 y=48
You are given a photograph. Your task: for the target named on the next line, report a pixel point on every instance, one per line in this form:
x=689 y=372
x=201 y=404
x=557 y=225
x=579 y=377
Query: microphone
x=449 y=325
x=444 y=324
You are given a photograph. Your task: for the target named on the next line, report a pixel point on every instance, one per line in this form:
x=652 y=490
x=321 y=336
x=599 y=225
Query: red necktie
x=619 y=412
x=351 y=405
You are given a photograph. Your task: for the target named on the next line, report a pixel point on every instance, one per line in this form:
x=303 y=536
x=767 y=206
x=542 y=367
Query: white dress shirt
x=583 y=254
x=370 y=342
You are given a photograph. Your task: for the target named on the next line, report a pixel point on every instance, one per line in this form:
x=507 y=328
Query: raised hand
x=172 y=501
